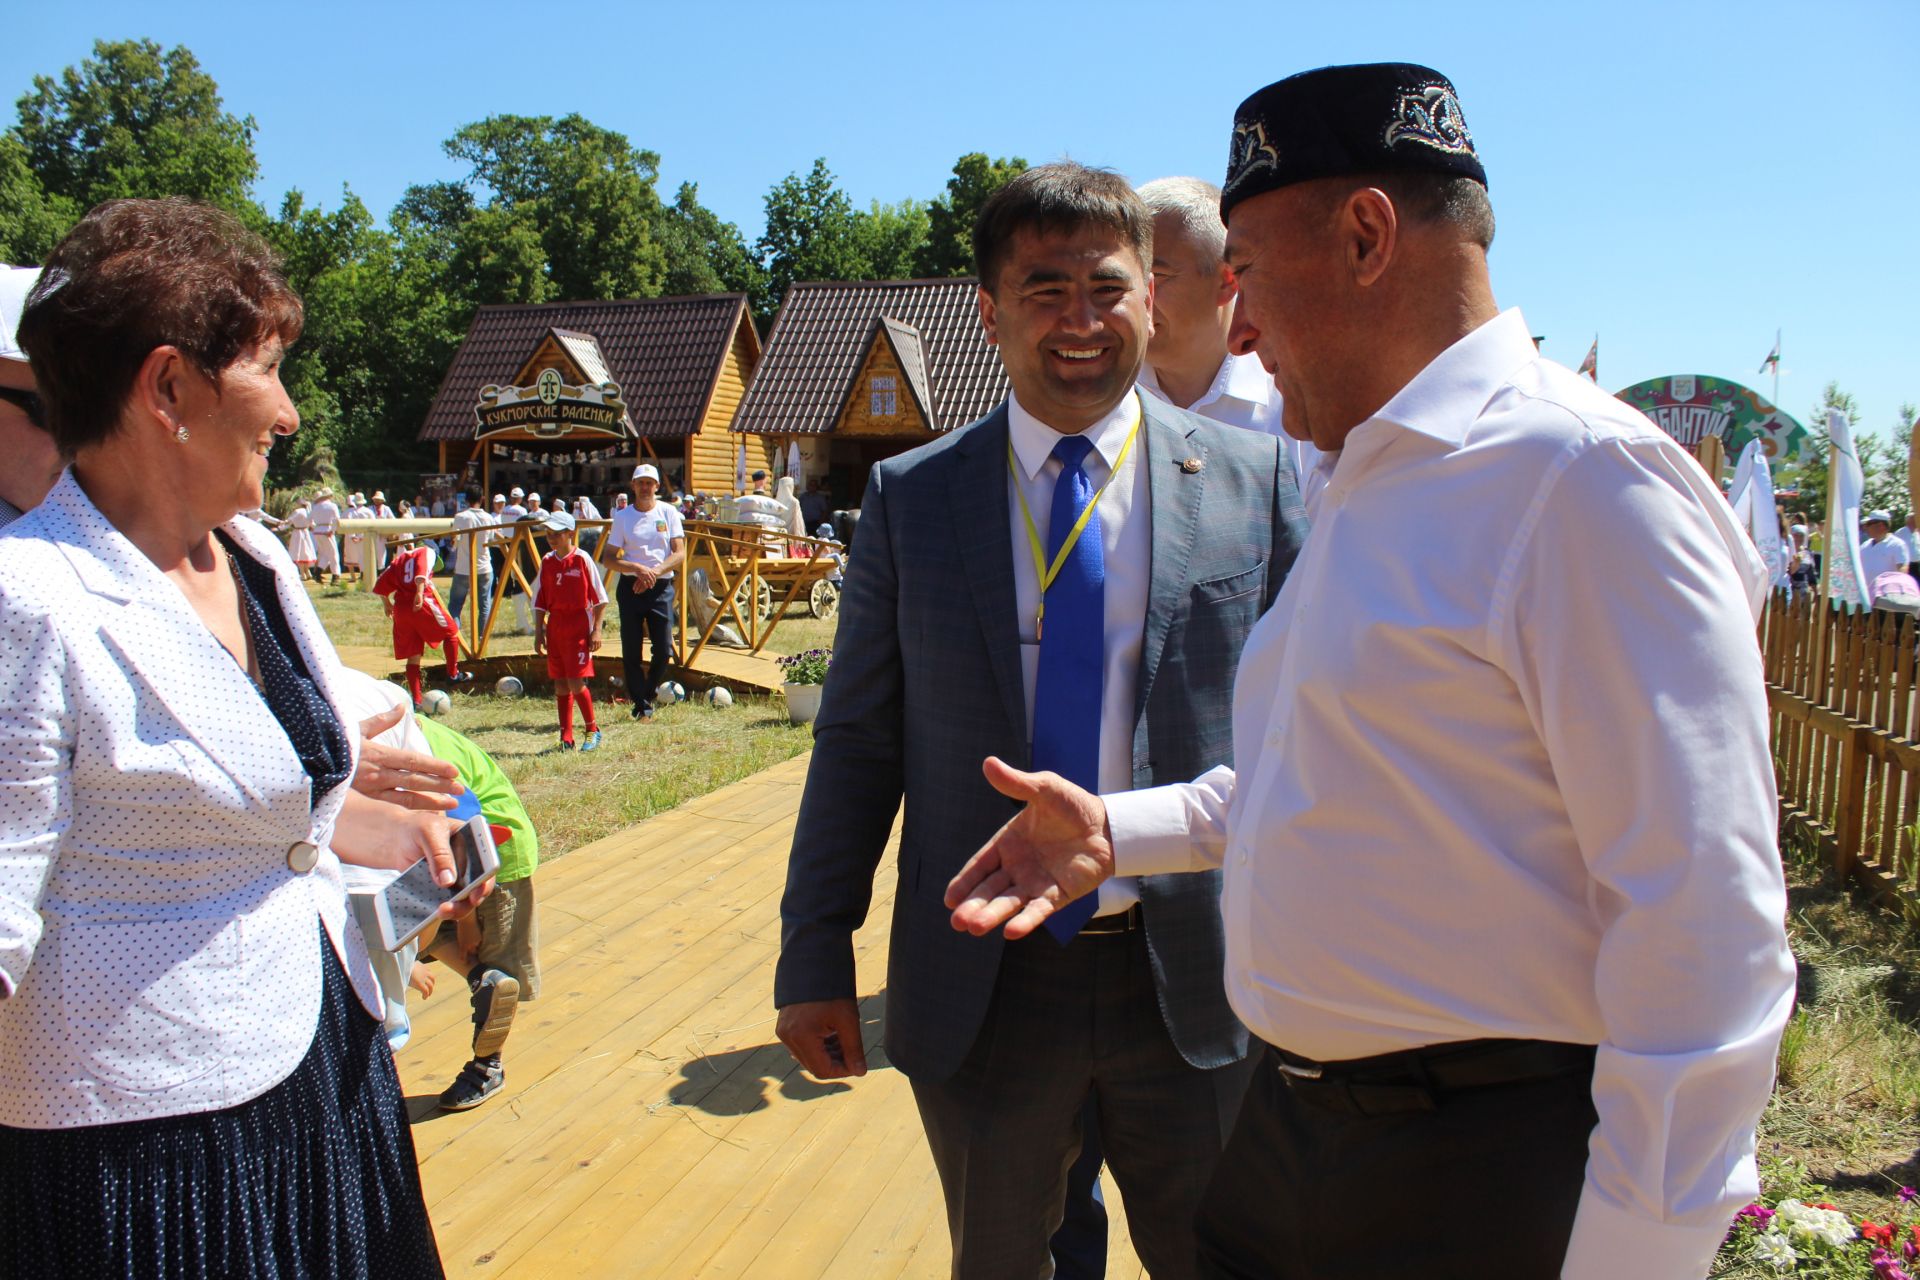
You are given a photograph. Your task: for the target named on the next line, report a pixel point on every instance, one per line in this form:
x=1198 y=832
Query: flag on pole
x=1751 y=496
x=793 y=462
x=1846 y=486
x=1772 y=363
x=740 y=468
x=1591 y=365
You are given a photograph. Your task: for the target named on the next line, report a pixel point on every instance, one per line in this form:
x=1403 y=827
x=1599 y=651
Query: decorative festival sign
x=551 y=409
x=1691 y=406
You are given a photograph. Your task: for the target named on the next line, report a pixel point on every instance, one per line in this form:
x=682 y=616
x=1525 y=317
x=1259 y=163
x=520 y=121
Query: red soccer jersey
x=407 y=567
x=569 y=585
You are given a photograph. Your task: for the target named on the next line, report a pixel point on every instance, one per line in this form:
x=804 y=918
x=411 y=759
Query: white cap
x=1884 y=517
x=559 y=521
x=647 y=471
x=499 y=497
x=517 y=492
x=15 y=284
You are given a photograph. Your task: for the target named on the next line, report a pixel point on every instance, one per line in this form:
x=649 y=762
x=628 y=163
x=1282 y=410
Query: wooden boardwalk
x=651 y=1125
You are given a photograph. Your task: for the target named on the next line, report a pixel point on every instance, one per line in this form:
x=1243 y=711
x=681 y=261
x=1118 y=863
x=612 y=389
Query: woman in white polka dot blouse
x=193 y=1081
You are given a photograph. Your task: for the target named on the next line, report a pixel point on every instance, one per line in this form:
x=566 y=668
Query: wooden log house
x=857 y=372
x=681 y=366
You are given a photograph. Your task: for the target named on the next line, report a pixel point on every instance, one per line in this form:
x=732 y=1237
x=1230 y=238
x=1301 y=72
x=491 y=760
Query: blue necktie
x=1066 y=692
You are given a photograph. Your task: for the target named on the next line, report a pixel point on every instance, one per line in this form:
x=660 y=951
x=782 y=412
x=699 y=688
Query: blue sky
x=1681 y=179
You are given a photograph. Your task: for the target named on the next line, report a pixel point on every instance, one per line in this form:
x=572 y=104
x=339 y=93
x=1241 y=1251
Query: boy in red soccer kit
x=567 y=607
x=419 y=619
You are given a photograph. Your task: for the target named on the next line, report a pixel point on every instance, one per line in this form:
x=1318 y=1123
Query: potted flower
x=803 y=674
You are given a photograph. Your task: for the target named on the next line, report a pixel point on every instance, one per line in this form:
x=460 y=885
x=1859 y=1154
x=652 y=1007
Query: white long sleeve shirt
x=1488 y=785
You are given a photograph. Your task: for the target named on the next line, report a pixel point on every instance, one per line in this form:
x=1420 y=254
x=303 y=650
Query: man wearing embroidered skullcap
x=31 y=462
x=1502 y=896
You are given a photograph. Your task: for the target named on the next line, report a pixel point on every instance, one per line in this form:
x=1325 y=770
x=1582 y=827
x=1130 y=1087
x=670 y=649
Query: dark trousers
x=1079 y=1247
x=645 y=615
x=1068 y=1025
x=1311 y=1191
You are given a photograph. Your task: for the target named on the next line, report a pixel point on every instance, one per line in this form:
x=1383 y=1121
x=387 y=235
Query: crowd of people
x=1309 y=830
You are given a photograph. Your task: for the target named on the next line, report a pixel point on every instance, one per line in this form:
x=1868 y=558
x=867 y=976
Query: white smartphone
x=412 y=902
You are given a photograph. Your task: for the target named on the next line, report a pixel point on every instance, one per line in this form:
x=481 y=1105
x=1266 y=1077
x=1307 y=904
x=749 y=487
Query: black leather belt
x=1420 y=1079
x=1119 y=922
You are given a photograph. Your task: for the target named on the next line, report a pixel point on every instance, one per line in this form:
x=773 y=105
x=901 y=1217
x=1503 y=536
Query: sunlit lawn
x=687 y=750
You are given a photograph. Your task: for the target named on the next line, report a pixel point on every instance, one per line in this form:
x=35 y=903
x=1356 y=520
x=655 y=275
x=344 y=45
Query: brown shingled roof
x=824 y=330
x=664 y=352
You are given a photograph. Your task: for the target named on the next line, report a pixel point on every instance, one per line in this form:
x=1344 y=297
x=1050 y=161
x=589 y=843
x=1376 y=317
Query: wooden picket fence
x=1840 y=687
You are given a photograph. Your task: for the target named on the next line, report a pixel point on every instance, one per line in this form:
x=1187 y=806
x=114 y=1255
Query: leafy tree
x=949 y=246
x=892 y=238
x=137 y=120
x=704 y=254
x=31 y=221
x=584 y=193
x=811 y=234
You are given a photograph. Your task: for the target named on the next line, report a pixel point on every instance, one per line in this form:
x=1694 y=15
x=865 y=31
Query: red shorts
x=416 y=630
x=569 y=648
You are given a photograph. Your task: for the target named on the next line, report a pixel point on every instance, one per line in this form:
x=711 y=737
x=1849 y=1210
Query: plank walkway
x=651 y=1125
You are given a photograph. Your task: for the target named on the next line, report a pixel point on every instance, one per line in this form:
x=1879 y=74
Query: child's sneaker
x=461 y=678
x=495 y=996
x=477 y=1081
x=565 y=744
x=592 y=741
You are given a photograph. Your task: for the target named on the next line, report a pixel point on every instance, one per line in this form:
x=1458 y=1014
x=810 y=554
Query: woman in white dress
x=300 y=542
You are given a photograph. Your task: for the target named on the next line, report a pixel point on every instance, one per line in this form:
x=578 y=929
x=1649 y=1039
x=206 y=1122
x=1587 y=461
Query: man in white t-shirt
x=645 y=545
x=1880 y=551
x=472 y=570
x=510 y=515
x=1188 y=364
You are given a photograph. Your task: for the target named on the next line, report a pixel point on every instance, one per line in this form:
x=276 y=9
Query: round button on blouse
x=302 y=857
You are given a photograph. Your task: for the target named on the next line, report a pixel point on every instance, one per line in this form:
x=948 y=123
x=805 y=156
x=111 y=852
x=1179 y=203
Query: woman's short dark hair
x=1055 y=198
x=138 y=274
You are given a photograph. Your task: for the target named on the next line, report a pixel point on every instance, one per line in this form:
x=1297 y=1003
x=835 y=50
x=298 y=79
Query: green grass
x=688 y=749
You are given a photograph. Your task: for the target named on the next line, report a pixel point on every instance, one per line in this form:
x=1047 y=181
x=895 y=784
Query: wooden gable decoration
x=889 y=393
x=578 y=396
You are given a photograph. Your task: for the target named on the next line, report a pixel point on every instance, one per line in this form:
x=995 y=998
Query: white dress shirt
x=1126 y=544
x=1887 y=555
x=1243 y=395
x=1486 y=785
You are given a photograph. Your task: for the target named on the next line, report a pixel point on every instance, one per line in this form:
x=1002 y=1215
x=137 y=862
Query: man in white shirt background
x=1502 y=893
x=647 y=543
x=32 y=462
x=510 y=515
x=1880 y=550
x=472 y=570
x=1188 y=364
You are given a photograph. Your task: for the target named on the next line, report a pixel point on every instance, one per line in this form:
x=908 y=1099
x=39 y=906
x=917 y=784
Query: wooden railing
x=1840 y=687
x=755 y=581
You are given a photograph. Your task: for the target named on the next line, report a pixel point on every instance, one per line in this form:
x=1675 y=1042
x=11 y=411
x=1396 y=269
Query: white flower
x=1771 y=1246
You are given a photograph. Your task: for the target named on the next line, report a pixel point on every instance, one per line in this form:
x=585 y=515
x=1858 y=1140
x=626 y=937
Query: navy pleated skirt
x=314 y=1178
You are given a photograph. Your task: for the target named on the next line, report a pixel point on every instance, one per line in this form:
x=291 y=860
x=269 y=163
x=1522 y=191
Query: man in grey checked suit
x=934 y=670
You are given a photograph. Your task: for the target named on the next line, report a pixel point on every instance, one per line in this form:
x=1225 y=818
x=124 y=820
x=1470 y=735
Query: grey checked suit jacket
x=926 y=683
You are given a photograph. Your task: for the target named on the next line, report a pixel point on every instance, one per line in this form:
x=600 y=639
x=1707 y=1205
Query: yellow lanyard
x=1048 y=572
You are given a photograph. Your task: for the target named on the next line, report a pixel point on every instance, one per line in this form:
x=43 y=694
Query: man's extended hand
x=410 y=778
x=1056 y=849
x=824 y=1037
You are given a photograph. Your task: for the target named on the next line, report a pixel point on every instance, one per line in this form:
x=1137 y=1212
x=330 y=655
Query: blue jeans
x=457 y=602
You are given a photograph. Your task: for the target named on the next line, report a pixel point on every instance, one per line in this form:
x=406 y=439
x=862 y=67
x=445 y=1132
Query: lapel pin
x=1191 y=466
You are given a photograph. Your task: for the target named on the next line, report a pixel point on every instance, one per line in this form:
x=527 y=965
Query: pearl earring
x=180 y=433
